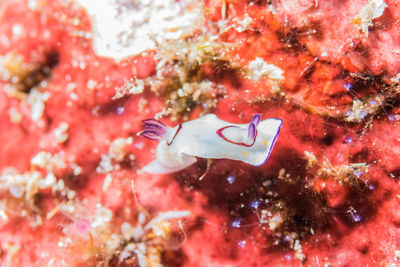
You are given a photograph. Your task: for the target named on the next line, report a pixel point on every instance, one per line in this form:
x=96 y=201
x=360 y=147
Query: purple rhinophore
x=252 y=129
x=153 y=129
x=256 y=120
x=252 y=132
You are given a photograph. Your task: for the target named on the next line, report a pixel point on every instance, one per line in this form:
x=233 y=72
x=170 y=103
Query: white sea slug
x=211 y=138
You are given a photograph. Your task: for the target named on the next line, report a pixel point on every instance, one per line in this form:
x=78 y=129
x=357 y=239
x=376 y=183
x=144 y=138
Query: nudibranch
x=211 y=138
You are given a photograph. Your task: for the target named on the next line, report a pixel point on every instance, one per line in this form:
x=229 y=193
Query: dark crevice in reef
x=289 y=37
x=328 y=139
x=395 y=174
x=112 y=107
x=52 y=60
x=40 y=71
x=362 y=156
x=293 y=209
x=359 y=208
x=259 y=2
x=24 y=76
x=372 y=89
x=223 y=72
x=359 y=83
x=173 y=258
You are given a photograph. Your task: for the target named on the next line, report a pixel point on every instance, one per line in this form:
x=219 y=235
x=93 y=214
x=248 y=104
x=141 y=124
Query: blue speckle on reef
x=236 y=223
x=348 y=140
x=254 y=204
x=356 y=217
x=119 y=110
x=358 y=173
x=242 y=243
x=348 y=86
x=231 y=179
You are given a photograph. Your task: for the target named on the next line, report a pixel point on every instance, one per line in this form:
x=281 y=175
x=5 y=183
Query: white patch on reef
x=49 y=161
x=258 y=69
x=361 y=109
x=159 y=223
x=14 y=115
x=37 y=100
x=126 y=28
x=3 y=215
x=131 y=87
x=374 y=9
x=107 y=182
x=396 y=78
x=17 y=30
x=61 y=132
x=244 y=23
x=27 y=184
x=116 y=153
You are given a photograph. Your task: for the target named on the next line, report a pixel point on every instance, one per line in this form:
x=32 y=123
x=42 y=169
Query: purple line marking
x=220 y=134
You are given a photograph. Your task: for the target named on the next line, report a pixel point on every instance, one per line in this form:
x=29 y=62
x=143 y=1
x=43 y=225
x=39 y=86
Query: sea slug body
x=211 y=138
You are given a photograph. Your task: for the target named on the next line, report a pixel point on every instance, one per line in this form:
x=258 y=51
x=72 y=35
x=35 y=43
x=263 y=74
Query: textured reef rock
x=77 y=79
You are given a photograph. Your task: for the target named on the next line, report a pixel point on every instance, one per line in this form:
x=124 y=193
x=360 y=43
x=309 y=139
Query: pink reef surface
x=72 y=192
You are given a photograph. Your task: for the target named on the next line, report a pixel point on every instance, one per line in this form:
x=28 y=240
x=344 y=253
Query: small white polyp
x=181 y=145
